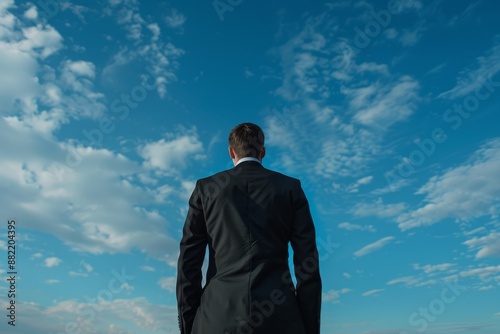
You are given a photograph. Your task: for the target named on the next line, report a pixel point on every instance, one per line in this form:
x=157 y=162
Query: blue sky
x=387 y=111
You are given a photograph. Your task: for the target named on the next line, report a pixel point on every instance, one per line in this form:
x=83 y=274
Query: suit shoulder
x=223 y=176
x=219 y=177
x=284 y=177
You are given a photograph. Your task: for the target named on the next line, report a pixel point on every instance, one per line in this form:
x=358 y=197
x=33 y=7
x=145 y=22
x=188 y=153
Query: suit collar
x=248 y=164
x=247 y=159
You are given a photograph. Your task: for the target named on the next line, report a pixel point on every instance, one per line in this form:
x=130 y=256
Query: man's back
x=246 y=216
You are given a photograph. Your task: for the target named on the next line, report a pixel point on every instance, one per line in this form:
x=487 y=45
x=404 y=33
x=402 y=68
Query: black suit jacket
x=246 y=216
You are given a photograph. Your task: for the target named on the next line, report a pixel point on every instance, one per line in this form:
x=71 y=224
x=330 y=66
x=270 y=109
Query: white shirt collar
x=247 y=159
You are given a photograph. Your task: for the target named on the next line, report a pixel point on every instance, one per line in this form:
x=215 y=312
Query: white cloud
x=52 y=281
x=66 y=203
x=7 y=22
x=248 y=73
x=81 y=68
x=35 y=95
x=373 y=246
x=391 y=33
x=393 y=187
x=18 y=81
x=354 y=188
x=471 y=79
x=428 y=282
x=127 y=287
x=168 y=283
x=334 y=295
x=52 y=262
x=129 y=17
x=31 y=13
x=172 y=154
x=138 y=315
x=87 y=266
x=365 y=180
x=333 y=139
x=373 y=68
x=474 y=231
x=407 y=280
x=378 y=209
x=116 y=64
x=429 y=269
x=372 y=292
x=482 y=273
x=36 y=256
x=463 y=193
x=382 y=106
x=487 y=246
x=160 y=55
x=41 y=41
x=343 y=154
x=148 y=268
x=355 y=227
x=411 y=37
x=77 y=10
x=175 y=19
x=186 y=190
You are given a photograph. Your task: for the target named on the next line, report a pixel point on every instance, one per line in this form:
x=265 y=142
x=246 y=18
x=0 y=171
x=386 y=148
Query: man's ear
x=262 y=152
x=231 y=153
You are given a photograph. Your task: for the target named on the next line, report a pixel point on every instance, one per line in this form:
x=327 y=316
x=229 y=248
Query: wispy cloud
x=429 y=269
x=87 y=266
x=36 y=256
x=77 y=274
x=374 y=293
x=148 y=268
x=168 y=283
x=175 y=19
x=407 y=281
x=393 y=187
x=464 y=192
x=379 y=209
x=486 y=67
x=161 y=56
x=381 y=106
x=356 y=227
x=410 y=37
x=354 y=188
x=333 y=296
x=373 y=247
x=52 y=262
x=483 y=273
x=487 y=246
x=369 y=99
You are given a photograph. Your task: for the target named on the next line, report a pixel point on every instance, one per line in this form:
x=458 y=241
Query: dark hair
x=247 y=140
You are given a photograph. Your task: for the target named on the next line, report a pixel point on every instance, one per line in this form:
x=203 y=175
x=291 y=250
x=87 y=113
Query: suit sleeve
x=192 y=254
x=306 y=263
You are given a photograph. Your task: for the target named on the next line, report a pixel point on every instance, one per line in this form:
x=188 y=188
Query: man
x=246 y=216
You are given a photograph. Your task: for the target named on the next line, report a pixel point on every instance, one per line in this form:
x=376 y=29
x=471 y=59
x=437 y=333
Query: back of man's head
x=247 y=140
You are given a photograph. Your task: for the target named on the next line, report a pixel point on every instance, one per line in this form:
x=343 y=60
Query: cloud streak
x=373 y=247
